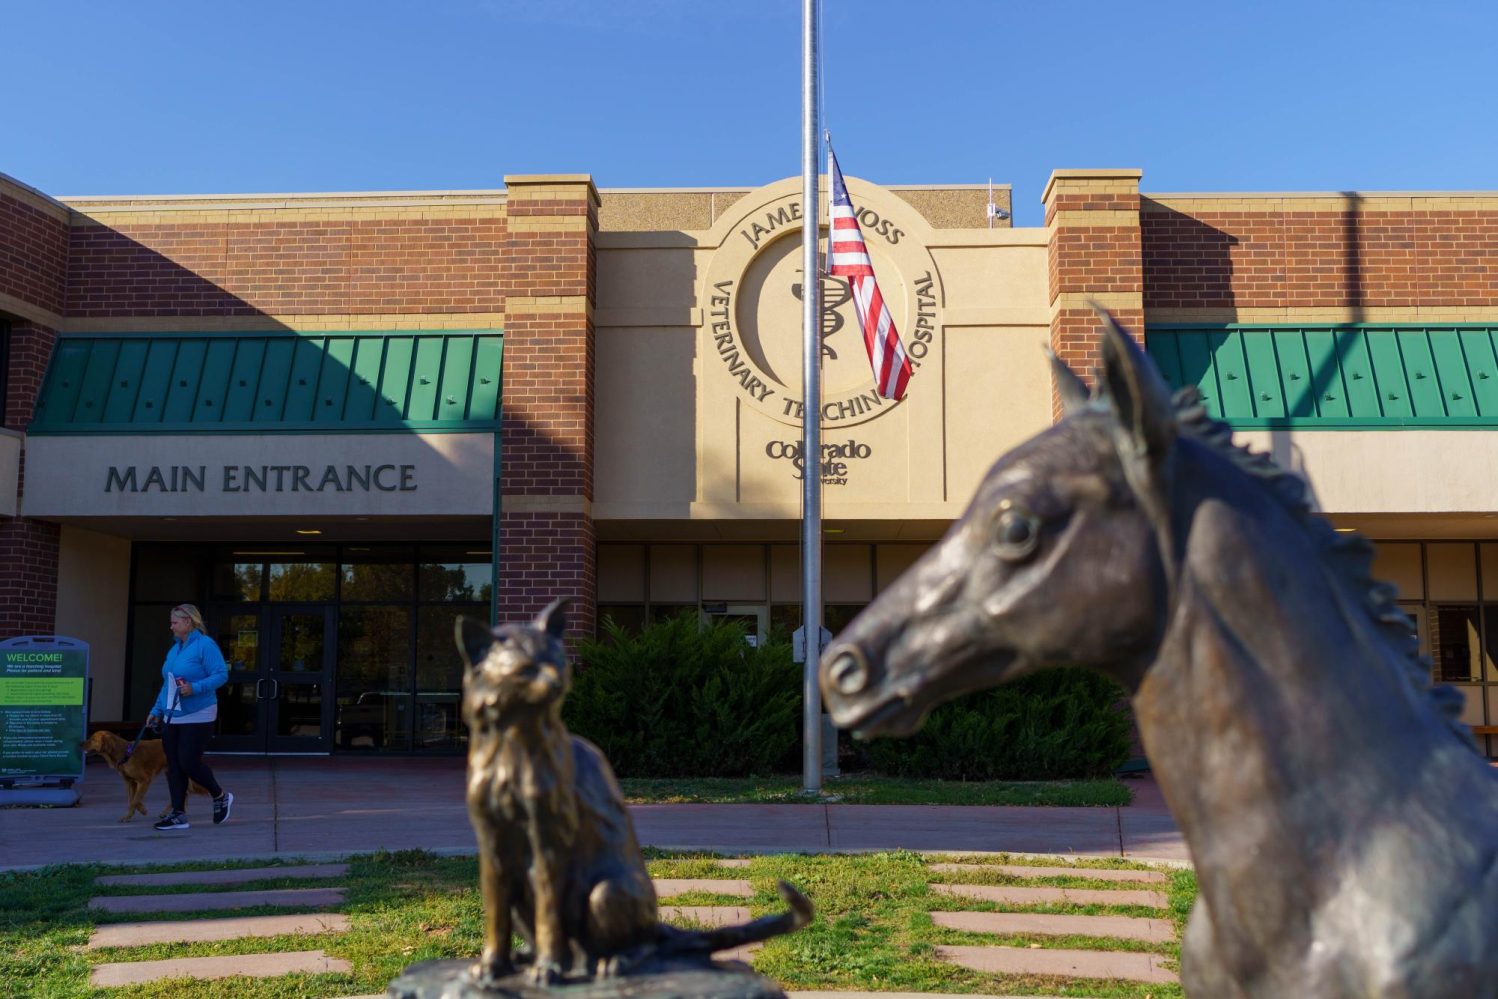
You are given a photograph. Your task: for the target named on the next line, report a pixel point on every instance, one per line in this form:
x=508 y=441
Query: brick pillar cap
x=529 y=179
x=1100 y=174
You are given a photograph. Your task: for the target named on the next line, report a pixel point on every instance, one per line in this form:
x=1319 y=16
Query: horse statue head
x=1344 y=830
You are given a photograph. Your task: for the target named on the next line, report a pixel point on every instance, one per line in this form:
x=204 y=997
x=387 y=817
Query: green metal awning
x=1351 y=376
x=271 y=383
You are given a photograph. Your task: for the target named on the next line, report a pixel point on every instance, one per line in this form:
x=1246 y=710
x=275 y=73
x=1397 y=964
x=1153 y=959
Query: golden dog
x=148 y=760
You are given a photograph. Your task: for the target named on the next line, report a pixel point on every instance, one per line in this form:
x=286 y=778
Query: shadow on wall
x=1282 y=447
x=1202 y=276
x=253 y=369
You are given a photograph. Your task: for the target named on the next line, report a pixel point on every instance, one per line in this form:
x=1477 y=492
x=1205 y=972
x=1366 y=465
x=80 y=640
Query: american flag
x=848 y=257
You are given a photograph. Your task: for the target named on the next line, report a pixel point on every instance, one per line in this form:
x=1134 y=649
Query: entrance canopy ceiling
x=268 y=383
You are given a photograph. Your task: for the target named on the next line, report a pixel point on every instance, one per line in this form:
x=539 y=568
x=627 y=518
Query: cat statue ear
x=553 y=620
x=473 y=639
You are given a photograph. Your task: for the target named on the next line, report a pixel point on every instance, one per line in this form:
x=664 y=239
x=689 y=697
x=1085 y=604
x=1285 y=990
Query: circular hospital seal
x=752 y=305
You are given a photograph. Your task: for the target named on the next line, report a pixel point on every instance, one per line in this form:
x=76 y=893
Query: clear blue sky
x=149 y=96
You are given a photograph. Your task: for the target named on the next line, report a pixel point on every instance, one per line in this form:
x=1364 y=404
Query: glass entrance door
x=298 y=670
x=277 y=699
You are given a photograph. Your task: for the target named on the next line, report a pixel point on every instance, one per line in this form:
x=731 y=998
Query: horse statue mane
x=1348 y=554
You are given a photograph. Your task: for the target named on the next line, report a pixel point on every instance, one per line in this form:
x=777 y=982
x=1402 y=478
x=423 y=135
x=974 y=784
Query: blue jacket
x=197 y=660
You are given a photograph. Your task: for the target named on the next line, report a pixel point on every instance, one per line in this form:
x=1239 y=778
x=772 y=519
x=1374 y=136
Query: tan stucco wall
x=684 y=432
x=1414 y=472
x=93 y=604
x=943 y=206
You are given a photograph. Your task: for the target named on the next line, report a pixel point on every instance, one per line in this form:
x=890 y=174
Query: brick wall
x=1093 y=254
x=28 y=579
x=546 y=555
x=30 y=350
x=33 y=248
x=546 y=272
x=1329 y=252
x=352 y=266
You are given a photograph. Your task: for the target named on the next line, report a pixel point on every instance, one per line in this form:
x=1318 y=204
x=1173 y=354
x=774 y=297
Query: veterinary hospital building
x=331 y=419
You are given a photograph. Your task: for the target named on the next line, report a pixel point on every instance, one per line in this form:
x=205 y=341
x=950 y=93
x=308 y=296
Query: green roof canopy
x=271 y=383
x=1352 y=376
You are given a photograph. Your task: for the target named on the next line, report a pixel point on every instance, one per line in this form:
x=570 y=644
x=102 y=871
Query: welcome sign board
x=43 y=682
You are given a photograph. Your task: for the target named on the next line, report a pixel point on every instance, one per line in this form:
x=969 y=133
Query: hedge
x=685 y=699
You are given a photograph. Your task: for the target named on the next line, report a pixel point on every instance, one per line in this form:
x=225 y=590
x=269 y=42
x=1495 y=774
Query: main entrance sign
x=752 y=308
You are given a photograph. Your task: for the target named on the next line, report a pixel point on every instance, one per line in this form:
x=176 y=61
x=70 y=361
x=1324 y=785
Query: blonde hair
x=191 y=613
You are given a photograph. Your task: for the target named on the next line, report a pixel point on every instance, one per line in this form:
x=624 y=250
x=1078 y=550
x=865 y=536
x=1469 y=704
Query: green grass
x=867 y=790
x=873 y=930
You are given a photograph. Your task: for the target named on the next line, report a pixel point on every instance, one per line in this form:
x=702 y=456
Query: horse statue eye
x=1017 y=534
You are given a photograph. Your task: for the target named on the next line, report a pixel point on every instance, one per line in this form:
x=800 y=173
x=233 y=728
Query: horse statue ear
x=1136 y=393
x=1144 y=430
x=553 y=620
x=1070 y=387
x=474 y=640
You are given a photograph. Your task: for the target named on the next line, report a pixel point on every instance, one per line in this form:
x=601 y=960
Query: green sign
x=42 y=711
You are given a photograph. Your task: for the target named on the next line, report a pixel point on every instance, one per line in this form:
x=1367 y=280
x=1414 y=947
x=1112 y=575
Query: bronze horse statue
x=1343 y=827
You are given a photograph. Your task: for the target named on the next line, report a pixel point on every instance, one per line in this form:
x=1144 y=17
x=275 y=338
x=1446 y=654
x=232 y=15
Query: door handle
x=258 y=695
x=275 y=690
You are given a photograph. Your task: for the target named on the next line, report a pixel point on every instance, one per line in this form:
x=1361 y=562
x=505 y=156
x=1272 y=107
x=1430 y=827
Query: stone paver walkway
x=1099 y=962
x=1051 y=924
x=1021 y=895
x=1022 y=871
x=1069 y=963
x=313 y=962
x=199 y=930
x=671 y=887
x=710 y=916
x=266 y=965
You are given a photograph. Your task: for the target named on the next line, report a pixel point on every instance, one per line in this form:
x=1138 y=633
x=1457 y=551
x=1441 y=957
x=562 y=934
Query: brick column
x=28 y=548
x=30 y=351
x=33 y=279
x=547 y=541
x=1093 y=255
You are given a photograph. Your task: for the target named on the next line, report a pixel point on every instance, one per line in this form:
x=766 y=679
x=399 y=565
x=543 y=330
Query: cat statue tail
x=799 y=914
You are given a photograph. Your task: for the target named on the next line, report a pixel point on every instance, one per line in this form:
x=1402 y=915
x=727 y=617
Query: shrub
x=1058 y=724
x=682 y=699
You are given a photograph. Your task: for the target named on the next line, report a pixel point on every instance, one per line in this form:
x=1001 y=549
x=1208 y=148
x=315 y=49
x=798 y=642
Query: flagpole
x=811 y=422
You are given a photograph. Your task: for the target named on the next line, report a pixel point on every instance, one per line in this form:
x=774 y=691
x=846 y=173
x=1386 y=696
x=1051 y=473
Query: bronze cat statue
x=558 y=858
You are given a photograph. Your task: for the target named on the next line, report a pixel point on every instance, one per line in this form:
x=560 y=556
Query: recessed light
x=310 y=530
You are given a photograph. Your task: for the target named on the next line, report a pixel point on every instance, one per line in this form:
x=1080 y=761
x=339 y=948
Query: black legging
x=184 y=745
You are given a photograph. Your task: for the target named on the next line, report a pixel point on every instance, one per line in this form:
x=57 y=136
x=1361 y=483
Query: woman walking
x=188 y=706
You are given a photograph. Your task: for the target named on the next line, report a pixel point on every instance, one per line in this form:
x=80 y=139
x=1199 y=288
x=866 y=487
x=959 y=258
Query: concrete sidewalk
x=321 y=807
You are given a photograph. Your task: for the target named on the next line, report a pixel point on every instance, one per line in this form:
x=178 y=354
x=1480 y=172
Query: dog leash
x=165 y=721
x=130 y=747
